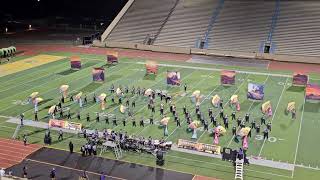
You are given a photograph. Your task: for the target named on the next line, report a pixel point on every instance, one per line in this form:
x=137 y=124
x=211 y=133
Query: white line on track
x=274 y=114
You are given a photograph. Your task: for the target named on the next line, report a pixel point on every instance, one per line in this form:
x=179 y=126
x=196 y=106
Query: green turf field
x=292 y=141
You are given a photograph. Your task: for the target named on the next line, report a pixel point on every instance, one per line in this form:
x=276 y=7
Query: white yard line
x=224 y=105
x=135 y=95
x=216 y=69
x=265 y=81
x=75 y=90
x=297 y=147
x=274 y=114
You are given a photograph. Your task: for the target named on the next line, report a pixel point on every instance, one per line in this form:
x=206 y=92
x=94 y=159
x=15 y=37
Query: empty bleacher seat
x=242 y=25
x=297 y=31
x=142 y=18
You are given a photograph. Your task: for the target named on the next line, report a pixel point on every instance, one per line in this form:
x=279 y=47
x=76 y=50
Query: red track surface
x=35 y=49
x=203 y=178
x=13 y=152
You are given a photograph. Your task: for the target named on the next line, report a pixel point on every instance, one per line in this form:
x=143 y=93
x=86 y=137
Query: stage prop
x=219 y=130
x=151 y=67
x=112 y=57
x=300 y=79
x=215 y=101
x=234 y=102
x=75 y=62
x=266 y=108
x=65 y=124
x=164 y=122
x=78 y=99
x=173 y=78
x=228 y=77
x=194 y=126
x=64 y=90
x=208 y=148
x=255 y=91
x=98 y=74
x=101 y=100
x=313 y=92
x=196 y=97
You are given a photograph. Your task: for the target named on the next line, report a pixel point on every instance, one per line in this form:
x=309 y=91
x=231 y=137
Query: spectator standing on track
x=103 y=176
x=53 y=174
x=60 y=138
x=25 y=139
x=71 y=147
x=83 y=150
x=2 y=172
x=24 y=172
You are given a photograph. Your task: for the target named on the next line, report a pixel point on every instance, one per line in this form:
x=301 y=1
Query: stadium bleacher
x=143 y=17
x=297 y=31
x=242 y=25
x=187 y=23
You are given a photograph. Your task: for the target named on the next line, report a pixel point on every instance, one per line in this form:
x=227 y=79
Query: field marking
x=243 y=82
x=179 y=99
x=249 y=109
x=216 y=69
x=73 y=169
x=34 y=88
x=28 y=63
x=26 y=83
x=274 y=114
x=298 y=141
x=69 y=92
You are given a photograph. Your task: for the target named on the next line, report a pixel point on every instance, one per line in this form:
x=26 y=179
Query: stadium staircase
x=142 y=18
x=187 y=22
x=211 y=23
x=239 y=169
x=271 y=31
x=164 y=22
x=297 y=31
x=241 y=25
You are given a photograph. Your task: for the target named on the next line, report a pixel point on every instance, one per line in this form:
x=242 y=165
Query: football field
x=291 y=141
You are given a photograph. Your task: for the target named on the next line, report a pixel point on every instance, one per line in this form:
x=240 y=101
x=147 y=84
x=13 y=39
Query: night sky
x=76 y=9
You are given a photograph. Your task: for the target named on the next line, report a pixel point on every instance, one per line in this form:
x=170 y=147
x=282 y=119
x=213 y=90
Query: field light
x=6 y=30
x=30 y=27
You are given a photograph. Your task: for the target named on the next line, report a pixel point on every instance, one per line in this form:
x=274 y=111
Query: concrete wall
x=179 y=50
x=116 y=20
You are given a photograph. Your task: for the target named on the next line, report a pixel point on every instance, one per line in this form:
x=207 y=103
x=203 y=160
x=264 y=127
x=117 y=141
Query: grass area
x=282 y=145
